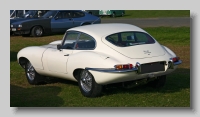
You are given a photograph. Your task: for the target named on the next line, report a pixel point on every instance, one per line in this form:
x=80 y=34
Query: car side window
x=63 y=14
x=85 y=42
x=70 y=40
x=77 y=14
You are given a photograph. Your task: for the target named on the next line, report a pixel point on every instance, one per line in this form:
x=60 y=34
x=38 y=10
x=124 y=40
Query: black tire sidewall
x=96 y=88
x=33 y=31
x=37 y=79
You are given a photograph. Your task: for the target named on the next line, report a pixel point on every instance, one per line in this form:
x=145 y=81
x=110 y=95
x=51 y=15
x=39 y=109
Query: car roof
x=106 y=29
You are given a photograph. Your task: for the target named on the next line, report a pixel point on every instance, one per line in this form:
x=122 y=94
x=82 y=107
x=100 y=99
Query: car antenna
x=96 y=20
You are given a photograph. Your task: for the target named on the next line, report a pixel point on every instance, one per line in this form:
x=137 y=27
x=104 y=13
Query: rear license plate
x=13 y=29
x=152 y=67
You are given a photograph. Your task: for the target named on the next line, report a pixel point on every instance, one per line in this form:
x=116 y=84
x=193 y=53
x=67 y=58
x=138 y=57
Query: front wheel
x=32 y=76
x=88 y=85
x=37 y=31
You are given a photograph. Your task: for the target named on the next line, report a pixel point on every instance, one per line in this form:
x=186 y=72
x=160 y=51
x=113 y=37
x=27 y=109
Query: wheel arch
x=22 y=61
x=77 y=72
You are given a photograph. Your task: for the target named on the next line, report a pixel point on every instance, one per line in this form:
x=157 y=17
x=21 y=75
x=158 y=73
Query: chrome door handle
x=66 y=55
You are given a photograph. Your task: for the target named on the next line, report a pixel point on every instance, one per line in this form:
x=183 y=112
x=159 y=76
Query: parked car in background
x=93 y=12
x=54 y=21
x=100 y=54
x=17 y=13
x=112 y=13
x=27 y=15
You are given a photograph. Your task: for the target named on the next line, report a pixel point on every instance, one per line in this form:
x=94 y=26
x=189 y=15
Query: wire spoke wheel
x=30 y=71
x=88 y=85
x=31 y=74
x=86 y=81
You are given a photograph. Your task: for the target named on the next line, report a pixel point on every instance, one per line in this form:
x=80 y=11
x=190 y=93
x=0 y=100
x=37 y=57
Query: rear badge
x=146 y=52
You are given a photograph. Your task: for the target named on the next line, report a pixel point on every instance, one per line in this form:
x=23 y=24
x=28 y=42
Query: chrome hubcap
x=38 y=31
x=30 y=71
x=86 y=81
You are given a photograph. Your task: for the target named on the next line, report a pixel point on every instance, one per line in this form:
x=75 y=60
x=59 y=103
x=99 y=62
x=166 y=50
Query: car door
x=79 y=18
x=57 y=58
x=61 y=22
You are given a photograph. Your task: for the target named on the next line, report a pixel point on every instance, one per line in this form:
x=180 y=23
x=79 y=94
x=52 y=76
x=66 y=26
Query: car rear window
x=125 y=39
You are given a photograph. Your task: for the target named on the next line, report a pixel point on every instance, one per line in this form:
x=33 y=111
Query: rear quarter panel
x=82 y=59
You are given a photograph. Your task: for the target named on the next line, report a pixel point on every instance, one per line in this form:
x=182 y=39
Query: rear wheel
x=158 y=82
x=32 y=76
x=88 y=85
x=37 y=31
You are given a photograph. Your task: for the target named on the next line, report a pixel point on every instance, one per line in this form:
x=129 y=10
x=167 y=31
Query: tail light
x=172 y=62
x=175 y=59
x=123 y=66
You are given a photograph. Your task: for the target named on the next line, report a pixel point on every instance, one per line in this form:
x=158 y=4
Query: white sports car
x=100 y=54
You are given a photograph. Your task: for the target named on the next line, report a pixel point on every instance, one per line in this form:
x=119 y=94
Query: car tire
x=158 y=82
x=88 y=85
x=37 y=31
x=113 y=15
x=32 y=76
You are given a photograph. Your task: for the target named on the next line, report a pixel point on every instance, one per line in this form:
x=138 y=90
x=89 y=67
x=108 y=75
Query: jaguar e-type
x=100 y=54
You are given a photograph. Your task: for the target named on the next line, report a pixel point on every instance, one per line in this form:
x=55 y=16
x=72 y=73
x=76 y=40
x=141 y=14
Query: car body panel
x=138 y=51
x=61 y=25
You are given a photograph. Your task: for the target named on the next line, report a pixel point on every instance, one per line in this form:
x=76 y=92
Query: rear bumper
x=105 y=76
x=136 y=69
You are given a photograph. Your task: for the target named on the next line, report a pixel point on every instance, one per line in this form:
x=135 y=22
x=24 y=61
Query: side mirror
x=59 y=46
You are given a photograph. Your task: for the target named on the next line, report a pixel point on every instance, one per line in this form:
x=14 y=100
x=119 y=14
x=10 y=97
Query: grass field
x=154 y=13
x=64 y=93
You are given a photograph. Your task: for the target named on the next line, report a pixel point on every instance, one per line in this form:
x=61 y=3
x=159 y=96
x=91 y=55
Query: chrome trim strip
x=111 y=70
x=178 y=62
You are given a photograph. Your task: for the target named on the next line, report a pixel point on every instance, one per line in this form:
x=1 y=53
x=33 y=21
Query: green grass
x=154 y=13
x=176 y=36
x=64 y=93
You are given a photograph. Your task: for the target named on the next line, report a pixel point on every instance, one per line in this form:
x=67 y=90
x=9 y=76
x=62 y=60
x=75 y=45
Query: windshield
x=125 y=39
x=49 y=14
x=11 y=11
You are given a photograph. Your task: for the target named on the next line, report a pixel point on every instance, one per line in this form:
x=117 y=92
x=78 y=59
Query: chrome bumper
x=177 y=63
x=111 y=70
x=136 y=69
